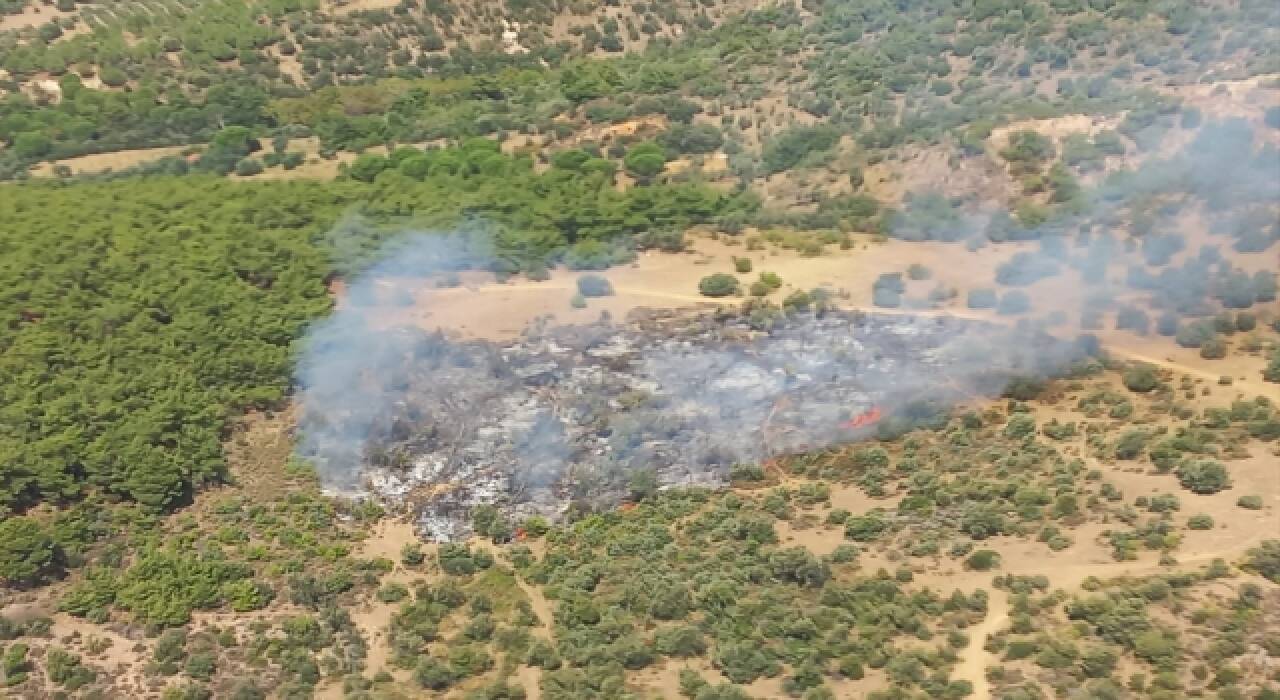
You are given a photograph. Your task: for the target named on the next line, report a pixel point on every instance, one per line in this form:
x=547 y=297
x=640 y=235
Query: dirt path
x=541 y=608
x=530 y=678
x=975 y=659
x=1253 y=385
x=373 y=617
x=1112 y=344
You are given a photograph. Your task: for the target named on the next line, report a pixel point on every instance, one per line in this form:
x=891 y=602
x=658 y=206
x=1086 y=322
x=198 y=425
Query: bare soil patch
x=937 y=169
x=96 y=163
x=483 y=308
x=33 y=15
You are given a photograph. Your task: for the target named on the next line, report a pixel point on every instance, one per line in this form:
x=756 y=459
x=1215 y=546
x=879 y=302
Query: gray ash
x=566 y=415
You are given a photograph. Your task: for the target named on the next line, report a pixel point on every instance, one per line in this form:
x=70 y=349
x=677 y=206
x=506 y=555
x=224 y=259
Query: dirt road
x=975 y=659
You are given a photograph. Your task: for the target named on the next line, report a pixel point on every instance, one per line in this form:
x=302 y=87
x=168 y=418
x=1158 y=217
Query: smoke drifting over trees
x=1138 y=236
x=564 y=416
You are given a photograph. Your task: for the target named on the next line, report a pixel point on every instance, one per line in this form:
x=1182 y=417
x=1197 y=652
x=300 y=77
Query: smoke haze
x=570 y=414
x=565 y=415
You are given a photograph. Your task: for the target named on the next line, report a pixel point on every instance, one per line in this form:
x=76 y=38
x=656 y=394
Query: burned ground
x=568 y=416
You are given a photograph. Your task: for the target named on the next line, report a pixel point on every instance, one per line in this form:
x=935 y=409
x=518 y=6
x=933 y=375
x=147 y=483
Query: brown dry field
x=314 y=167
x=32 y=15
x=95 y=163
x=483 y=308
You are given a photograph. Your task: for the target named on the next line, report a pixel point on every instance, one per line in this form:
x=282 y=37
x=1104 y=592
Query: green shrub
x=1214 y=348
x=66 y=670
x=1097 y=662
x=112 y=76
x=1134 y=319
x=15 y=668
x=645 y=160
x=1200 y=521
x=1163 y=503
x=433 y=674
x=28 y=554
x=982 y=560
x=718 y=285
x=864 y=528
x=171 y=646
x=411 y=554
x=682 y=641
x=844 y=554
x=459 y=559
x=790 y=147
x=1131 y=444
x=1020 y=426
x=392 y=593
x=248 y=167
x=1027 y=151
x=201 y=665
x=743 y=662
x=1203 y=476
x=1195 y=334
x=746 y=472
x=590 y=254
x=1141 y=378
x=1250 y=502
x=245 y=595
x=1264 y=560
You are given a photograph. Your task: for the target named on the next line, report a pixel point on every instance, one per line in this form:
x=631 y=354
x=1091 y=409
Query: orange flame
x=863 y=419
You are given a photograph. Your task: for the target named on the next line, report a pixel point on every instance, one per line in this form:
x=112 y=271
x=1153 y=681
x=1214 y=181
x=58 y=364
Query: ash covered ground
x=565 y=416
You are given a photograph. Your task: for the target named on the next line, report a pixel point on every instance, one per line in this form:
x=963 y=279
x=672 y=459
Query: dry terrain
x=483 y=308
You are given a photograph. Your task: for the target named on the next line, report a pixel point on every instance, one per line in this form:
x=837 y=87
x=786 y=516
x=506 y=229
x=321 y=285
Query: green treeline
x=880 y=73
x=138 y=315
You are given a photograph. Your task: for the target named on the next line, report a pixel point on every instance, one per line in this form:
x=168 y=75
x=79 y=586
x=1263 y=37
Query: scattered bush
x=1200 y=522
x=982 y=299
x=594 y=286
x=1250 y=502
x=249 y=167
x=1195 y=334
x=1264 y=560
x=1203 y=476
x=718 y=285
x=982 y=560
x=792 y=146
x=1214 y=348
x=1141 y=378
x=1131 y=445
